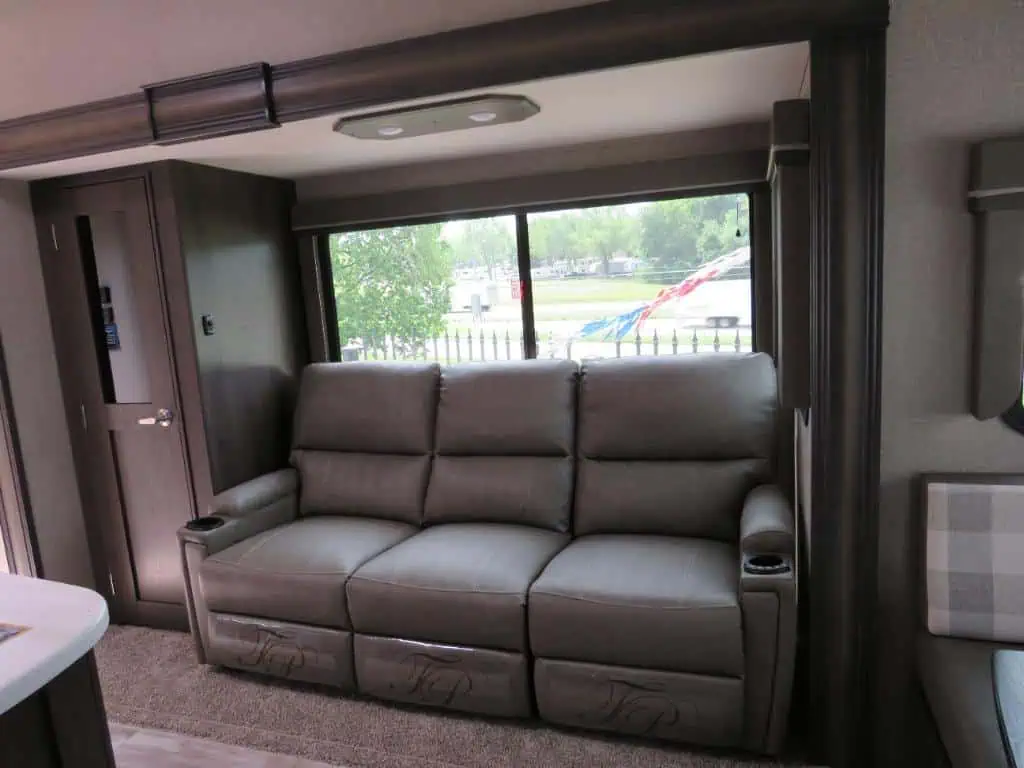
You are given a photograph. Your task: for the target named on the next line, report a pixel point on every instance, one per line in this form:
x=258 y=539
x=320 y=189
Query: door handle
x=163 y=418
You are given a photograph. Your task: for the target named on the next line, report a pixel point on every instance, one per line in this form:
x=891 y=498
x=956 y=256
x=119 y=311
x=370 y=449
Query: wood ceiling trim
x=586 y=38
x=86 y=129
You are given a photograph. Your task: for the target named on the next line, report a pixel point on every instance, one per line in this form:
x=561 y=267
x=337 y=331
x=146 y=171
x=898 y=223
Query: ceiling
x=650 y=99
x=58 y=53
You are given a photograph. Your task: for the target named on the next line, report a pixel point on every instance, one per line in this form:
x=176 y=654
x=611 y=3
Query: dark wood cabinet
x=176 y=311
x=62 y=725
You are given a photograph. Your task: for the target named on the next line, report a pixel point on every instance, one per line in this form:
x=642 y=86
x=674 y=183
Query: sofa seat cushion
x=297 y=572
x=459 y=583
x=959 y=686
x=656 y=602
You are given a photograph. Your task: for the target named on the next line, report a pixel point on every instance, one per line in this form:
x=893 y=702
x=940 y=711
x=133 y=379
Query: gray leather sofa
x=519 y=538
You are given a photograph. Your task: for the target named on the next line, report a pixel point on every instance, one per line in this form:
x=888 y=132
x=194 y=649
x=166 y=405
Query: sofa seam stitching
x=280 y=573
x=435 y=589
x=261 y=544
x=636 y=605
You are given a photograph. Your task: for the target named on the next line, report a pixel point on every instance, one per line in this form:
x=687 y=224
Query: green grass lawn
x=592 y=290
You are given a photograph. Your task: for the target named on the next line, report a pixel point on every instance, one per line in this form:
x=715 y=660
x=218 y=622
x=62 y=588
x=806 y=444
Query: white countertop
x=64 y=622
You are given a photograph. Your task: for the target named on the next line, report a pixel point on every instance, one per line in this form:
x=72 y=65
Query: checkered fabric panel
x=975 y=561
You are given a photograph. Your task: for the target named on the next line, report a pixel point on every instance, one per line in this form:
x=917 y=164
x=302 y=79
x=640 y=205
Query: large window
x=665 y=277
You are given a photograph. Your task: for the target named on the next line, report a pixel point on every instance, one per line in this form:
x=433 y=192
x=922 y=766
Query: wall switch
x=209 y=327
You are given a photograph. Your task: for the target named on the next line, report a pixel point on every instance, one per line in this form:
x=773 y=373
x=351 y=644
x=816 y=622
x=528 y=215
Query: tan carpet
x=150 y=678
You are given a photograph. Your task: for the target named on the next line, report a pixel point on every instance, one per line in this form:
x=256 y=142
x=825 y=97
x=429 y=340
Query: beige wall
x=59 y=63
x=35 y=391
x=955 y=76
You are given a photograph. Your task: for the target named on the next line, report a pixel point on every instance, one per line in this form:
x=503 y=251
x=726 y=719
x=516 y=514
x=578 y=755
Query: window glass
x=650 y=278
x=122 y=354
x=447 y=291
x=656 y=278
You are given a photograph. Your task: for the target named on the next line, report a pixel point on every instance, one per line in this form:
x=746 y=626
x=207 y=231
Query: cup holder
x=766 y=565
x=207 y=523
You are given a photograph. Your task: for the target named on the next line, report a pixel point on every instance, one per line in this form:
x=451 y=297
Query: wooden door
x=110 y=324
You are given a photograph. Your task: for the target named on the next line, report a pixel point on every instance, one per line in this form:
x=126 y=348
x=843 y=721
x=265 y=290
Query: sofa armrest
x=247 y=509
x=766 y=526
x=768 y=600
x=255 y=494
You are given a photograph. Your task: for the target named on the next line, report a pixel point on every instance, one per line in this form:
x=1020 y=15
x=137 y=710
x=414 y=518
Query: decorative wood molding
x=216 y=104
x=581 y=39
x=88 y=129
x=846 y=170
x=590 y=37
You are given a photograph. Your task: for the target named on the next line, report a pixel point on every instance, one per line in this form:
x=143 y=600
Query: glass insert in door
x=107 y=257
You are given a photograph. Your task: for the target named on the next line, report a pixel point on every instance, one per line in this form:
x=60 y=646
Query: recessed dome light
x=427 y=119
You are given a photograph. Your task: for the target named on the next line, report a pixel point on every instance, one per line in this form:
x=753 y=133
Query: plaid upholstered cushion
x=975 y=560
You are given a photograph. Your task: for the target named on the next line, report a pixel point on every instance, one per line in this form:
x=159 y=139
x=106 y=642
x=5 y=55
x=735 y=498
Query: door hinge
x=53 y=231
x=110 y=578
x=85 y=420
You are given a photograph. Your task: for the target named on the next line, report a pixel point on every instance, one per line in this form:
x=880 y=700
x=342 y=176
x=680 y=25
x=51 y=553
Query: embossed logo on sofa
x=274 y=652
x=641 y=709
x=434 y=679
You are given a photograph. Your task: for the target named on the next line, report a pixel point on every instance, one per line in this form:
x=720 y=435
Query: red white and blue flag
x=618 y=326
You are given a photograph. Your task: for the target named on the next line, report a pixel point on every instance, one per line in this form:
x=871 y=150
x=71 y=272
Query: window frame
x=759 y=227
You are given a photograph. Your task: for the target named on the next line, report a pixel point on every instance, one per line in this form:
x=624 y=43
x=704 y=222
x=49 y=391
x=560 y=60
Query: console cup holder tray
x=206 y=523
x=766 y=565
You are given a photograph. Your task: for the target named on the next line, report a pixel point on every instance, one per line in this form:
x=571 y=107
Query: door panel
x=110 y=324
x=139 y=455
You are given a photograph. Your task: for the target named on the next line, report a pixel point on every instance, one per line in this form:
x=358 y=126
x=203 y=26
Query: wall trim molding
x=87 y=129
x=847 y=187
x=586 y=38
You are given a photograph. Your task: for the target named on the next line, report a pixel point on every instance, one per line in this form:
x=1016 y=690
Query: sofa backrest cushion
x=672 y=445
x=363 y=438
x=505 y=439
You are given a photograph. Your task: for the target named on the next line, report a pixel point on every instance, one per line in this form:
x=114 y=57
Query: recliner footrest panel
x=699 y=709
x=292 y=651
x=473 y=680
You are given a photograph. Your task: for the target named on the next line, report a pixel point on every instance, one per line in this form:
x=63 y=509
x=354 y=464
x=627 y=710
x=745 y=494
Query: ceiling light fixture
x=439 y=117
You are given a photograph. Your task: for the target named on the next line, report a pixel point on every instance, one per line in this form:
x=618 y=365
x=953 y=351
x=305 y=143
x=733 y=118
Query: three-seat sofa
x=603 y=546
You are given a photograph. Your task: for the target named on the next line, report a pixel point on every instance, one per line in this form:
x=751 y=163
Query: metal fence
x=470 y=345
